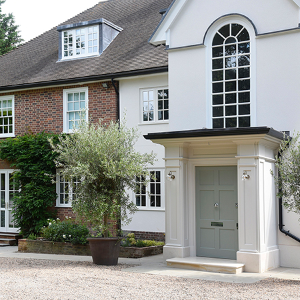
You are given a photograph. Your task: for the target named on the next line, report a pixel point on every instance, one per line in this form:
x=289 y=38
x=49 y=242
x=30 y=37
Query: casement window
x=65 y=190
x=7 y=116
x=85 y=39
x=75 y=108
x=231 y=82
x=150 y=196
x=80 y=42
x=155 y=105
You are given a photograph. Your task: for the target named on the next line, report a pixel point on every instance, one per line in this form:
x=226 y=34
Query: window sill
x=64 y=206
x=151 y=209
x=7 y=135
x=153 y=123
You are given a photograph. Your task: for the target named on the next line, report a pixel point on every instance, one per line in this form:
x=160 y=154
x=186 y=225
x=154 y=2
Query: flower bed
x=46 y=247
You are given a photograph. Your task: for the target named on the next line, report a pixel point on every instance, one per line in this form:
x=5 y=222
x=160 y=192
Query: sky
x=34 y=17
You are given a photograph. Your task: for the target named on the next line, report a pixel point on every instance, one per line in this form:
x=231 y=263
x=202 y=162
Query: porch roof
x=217 y=132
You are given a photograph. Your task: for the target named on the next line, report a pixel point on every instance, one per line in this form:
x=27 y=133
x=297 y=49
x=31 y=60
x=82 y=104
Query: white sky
x=34 y=17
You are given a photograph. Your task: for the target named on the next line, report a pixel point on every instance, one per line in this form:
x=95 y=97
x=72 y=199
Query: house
x=210 y=85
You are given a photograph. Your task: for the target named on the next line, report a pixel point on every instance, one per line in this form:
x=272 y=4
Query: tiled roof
x=36 y=62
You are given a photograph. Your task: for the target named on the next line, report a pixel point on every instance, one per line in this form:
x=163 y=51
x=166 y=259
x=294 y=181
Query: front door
x=216 y=212
x=7 y=191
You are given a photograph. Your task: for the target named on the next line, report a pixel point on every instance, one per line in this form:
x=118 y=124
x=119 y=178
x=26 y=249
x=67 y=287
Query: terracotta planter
x=105 y=251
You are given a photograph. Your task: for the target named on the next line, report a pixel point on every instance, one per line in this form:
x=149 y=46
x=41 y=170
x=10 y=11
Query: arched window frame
x=213 y=29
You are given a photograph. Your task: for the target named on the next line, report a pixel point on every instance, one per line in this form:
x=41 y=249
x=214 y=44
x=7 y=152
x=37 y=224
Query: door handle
x=216 y=205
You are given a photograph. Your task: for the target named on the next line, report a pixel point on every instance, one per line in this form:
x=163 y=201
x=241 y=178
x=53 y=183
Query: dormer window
x=81 y=42
x=85 y=39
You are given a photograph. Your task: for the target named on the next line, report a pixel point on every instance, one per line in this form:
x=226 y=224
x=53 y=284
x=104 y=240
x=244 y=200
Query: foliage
x=32 y=157
x=104 y=158
x=9 y=34
x=65 y=231
x=288 y=179
x=130 y=241
x=32 y=237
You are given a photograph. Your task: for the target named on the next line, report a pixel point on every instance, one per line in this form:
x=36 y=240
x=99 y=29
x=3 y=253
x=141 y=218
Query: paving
x=156 y=265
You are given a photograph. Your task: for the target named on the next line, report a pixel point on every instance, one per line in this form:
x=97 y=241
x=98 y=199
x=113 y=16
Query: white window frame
x=155 y=108
x=208 y=43
x=65 y=106
x=58 y=191
x=86 y=34
x=148 y=199
x=12 y=98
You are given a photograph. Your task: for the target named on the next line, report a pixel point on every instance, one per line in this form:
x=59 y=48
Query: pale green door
x=216 y=212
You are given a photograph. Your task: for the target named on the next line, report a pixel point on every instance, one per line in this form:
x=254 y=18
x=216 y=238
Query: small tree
x=288 y=179
x=9 y=34
x=104 y=159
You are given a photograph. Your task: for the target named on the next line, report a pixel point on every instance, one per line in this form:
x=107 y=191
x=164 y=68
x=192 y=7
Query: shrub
x=32 y=157
x=65 y=231
x=130 y=241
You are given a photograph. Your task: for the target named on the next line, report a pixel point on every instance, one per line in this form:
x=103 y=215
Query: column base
x=173 y=251
x=259 y=262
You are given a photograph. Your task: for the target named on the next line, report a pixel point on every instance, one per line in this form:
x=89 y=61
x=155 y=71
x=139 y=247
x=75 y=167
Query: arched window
x=231 y=77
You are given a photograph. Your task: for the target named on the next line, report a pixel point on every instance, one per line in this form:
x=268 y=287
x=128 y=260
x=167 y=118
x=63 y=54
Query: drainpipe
x=119 y=226
x=118 y=98
x=286 y=232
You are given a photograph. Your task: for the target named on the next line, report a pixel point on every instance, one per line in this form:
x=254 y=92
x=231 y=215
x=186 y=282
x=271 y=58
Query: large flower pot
x=105 y=251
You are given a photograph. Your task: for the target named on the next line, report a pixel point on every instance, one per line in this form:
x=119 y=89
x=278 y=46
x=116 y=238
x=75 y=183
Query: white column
x=177 y=239
x=258 y=248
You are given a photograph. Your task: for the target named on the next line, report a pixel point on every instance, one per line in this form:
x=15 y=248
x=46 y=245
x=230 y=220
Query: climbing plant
x=33 y=159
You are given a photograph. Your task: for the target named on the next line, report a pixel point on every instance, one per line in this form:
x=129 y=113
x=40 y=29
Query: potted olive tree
x=103 y=159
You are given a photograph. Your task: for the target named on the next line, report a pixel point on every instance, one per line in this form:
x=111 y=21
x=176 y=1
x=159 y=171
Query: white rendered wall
x=151 y=220
x=196 y=16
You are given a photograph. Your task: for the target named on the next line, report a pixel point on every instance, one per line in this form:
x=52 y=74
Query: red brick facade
x=42 y=110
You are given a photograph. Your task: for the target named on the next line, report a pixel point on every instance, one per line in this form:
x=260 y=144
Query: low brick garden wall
x=46 y=247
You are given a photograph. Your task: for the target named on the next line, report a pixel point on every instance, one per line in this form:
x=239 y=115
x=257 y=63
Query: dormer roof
x=36 y=62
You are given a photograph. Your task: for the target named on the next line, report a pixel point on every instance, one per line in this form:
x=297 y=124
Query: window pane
x=244 y=109
x=218 y=111
x=76 y=105
x=243 y=36
x=70 y=106
x=158 y=202
x=225 y=31
x=244 y=48
x=217 y=99
x=218 y=64
x=244 y=122
x=217 y=52
x=244 y=85
x=230 y=74
x=231 y=122
x=82 y=105
x=235 y=29
x=230 y=62
x=166 y=115
x=160 y=104
x=230 y=86
x=217 y=75
x=244 y=60
x=244 y=97
x=82 y=96
x=218 y=123
x=230 y=98
x=218 y=40
x=230 y=50
x=230 y=40
x=160 y=115
x=230 y=110
x=143 y=200
x=151 y=95
x=138 y=200
x=244 y=72
x=166 y=104
x=218 y=87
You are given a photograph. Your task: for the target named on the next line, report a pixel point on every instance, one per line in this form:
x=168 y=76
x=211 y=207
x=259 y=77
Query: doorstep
x=206 y=264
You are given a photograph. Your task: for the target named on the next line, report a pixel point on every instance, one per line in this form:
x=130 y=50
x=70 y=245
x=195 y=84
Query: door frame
x=6 y=209
x=229 y=225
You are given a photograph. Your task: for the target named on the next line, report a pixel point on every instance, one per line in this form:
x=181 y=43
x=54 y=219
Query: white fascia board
x=297 y=2
x=160 y=34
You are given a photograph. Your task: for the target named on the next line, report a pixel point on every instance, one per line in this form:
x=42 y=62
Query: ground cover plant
x=130 y=241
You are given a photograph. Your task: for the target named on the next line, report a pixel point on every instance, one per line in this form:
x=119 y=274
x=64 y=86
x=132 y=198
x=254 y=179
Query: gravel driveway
x=48 y=279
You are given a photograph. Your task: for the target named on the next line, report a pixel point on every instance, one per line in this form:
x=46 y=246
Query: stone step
x=10 y=242
x=4 y=245
x=207 y=264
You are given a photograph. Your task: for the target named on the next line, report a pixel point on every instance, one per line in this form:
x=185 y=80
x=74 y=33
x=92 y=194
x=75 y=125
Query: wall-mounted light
x=170 y=176
x=105 y=85
x=245 y=175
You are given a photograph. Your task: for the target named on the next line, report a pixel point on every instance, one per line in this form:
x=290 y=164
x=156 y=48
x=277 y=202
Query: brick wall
x=42 y=109
x=145 y=235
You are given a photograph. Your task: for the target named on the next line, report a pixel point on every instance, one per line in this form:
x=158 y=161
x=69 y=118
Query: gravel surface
x=45 y=279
